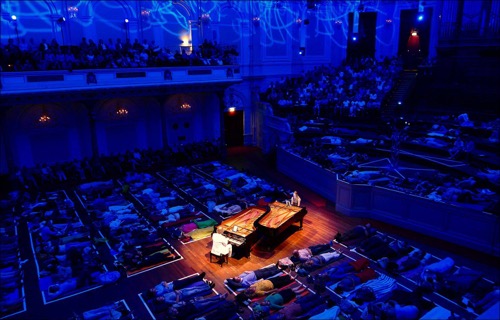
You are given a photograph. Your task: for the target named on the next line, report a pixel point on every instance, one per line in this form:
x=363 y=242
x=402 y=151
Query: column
x=222 y=139
x=163 y=120
x=7 y=162
x=90 y=105
x=194 y=34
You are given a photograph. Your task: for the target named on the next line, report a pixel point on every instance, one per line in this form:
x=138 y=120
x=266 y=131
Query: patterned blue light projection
x=275 y=23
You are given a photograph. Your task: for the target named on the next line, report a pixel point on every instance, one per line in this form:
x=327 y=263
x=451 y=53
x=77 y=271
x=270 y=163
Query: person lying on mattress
x=276 y=300
x=247 y=278
x=264 y=287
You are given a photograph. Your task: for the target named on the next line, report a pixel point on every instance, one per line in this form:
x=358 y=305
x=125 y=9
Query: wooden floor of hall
x=320 y=225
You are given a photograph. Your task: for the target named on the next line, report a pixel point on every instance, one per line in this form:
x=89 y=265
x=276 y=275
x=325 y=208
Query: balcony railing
x=13 y=83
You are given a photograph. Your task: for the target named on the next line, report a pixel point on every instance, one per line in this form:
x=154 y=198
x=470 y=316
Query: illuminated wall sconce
x=256 y=21
x=185 y=106
x=44 y=117
x=145 y=14
x=298 y=21
x=121 y=111
x=73 y=12
x=205 y=18
x=231 y=109
x=338 y=22
x=388 y=21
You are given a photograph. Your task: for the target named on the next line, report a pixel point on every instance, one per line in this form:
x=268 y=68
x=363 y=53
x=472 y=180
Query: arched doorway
x=233 y=125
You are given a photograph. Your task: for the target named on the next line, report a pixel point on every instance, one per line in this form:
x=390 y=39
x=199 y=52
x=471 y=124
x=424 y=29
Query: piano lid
x=244 y=221
x=279 y=214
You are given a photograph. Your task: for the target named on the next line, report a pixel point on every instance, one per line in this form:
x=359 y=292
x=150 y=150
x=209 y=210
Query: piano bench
x=223 y=258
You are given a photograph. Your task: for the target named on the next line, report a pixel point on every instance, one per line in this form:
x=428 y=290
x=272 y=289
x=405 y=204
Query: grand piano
x=244 y=229
x=279 y=217
x=241 y=231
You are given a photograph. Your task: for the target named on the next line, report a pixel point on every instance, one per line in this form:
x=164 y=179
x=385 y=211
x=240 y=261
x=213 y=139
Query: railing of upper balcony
x=89 y=79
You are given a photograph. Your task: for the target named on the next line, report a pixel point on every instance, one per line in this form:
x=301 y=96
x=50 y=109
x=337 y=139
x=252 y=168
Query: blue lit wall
x=263 y=31
x=267 y=34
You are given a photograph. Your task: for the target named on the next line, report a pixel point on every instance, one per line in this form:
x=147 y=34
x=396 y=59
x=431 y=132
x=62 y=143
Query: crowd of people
x=186 y=298
x=350 y=90
x=110 y=54
x=474 y=183
x=364 y=285
x=46 y=176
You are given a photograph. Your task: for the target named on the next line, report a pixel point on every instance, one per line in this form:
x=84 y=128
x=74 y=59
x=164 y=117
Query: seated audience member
x=276 y=300
x=184 y=309
x=248 y=278
x=264 y=287
x=196 y=289
x=307 y=253
x=166 y=287
x=358 y=232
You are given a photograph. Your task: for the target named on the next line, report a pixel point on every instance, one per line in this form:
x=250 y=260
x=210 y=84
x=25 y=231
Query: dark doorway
x=414 y=36
x=362 y=43
x=233 y=124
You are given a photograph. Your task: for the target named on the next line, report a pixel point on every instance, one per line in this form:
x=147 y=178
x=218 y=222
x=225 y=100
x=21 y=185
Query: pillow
x=205 y=223
x=188 y=227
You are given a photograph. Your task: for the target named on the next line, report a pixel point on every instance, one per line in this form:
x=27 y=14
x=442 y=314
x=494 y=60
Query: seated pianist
x=221 y=243
x=294 y=200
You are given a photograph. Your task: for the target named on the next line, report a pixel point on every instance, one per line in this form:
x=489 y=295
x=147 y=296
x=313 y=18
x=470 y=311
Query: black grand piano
x=241 y=231
x=278 y=219
x=244 y=229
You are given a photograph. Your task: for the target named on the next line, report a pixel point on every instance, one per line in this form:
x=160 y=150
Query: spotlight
x=354 y=38
x=420 y=17
x=302 y=51
x=400 y=103
x=13 y=17
x=61 y=20
x=126 y=20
